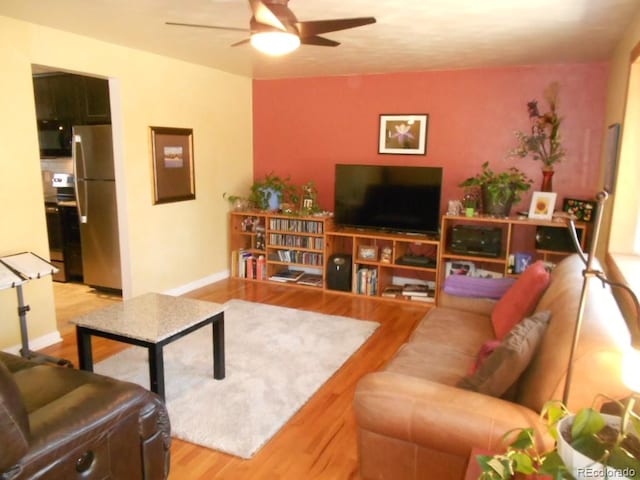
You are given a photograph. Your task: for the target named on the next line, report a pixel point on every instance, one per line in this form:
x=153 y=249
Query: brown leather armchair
x=60 y=423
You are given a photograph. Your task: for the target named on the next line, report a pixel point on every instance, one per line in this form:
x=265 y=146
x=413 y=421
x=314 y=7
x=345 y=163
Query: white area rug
x=276 y=358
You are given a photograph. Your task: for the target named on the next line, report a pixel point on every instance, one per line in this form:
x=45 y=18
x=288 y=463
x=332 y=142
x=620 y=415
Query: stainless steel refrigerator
x=96 y=197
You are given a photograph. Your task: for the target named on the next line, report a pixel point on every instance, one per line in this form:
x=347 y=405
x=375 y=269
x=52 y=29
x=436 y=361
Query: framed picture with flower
x=542 y=205
x=403 y=134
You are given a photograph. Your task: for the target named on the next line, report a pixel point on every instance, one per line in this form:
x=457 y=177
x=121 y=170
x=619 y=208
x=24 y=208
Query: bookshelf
x=517 y=236
x=265 y=245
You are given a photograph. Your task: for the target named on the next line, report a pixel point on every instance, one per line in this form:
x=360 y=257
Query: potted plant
x=268 y=193
x=543 y=143
x=237 y=202
x=589 y=445
x=499 y=190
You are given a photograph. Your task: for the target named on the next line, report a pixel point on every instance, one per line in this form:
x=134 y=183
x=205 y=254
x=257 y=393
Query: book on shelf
x=422 y=299
x=312 y=279
x=287 y=275
x=392 y=291
x=367 y=281
x=415 y=290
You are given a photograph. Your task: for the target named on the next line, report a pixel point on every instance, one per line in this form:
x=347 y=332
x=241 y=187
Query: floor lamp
x=630 y=373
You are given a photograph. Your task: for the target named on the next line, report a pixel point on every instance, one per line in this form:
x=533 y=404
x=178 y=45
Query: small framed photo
x=582 y=210
x=403 y=134
x=172 y=158
x=542 y=205
x=385 y=255
x=460 y=267
x=368 y=252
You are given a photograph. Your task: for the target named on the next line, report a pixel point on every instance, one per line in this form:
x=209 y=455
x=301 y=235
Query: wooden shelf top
x=515 y=220
x=382 y=235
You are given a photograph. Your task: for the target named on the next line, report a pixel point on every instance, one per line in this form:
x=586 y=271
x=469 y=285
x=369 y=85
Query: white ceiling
x=410 y=35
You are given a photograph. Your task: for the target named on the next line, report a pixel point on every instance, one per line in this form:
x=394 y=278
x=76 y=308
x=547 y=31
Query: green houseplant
x=271 y=191
x=268 y=193
x=499 y=190
x=607 y=445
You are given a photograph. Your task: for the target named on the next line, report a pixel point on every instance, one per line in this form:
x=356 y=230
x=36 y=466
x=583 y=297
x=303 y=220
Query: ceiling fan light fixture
x=275 y=43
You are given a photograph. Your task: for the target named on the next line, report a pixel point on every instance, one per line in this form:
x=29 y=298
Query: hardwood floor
x=73 y=299
x=319 y=442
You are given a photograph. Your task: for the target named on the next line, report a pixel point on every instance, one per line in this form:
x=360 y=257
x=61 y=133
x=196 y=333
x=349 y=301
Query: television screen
x=395 y=198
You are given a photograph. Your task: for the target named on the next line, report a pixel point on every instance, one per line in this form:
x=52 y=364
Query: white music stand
x=15 y=271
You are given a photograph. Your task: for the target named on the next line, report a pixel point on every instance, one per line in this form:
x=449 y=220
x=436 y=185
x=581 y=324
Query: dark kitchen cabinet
x=94 y=101
x=72 y=98
x=56 y=98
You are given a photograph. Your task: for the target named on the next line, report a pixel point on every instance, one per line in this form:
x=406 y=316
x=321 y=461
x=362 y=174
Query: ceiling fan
x=275 y=29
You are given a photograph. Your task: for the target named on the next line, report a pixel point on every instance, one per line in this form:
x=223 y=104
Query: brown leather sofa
x=414 y=423
x=62 y=424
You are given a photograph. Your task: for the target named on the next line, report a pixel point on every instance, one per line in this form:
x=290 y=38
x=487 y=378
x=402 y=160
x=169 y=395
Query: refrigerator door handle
x=82 y=202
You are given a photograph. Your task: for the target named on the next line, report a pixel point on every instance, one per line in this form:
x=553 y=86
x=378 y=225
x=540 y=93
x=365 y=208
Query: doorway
x=68 y=105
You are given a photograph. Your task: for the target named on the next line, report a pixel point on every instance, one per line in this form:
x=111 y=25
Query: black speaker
x=555 y=239
x=339 y=272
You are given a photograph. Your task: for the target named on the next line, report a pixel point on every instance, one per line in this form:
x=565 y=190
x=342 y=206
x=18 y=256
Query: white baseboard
x=38 y=343
x=181 y=290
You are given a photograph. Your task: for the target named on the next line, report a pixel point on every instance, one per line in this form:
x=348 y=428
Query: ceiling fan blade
x=319 y=41
x=316 y=27
x=263 y=14
x=241 y=42
x=235 y=29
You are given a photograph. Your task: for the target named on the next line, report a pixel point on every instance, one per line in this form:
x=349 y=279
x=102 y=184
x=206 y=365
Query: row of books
x=245 y=264
x=293 y=225
x=418 y=292
x=366 y=281
x=296 y=256
x=316 y=243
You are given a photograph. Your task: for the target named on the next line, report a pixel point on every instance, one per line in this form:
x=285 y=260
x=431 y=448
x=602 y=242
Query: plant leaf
x=523 y=463
x=553 y=465
x=524 y=440
x=495 y=467
x=587 y=422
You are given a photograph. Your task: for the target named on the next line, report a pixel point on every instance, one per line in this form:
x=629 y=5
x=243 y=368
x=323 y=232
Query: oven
x=56 y=239
x=63 y=229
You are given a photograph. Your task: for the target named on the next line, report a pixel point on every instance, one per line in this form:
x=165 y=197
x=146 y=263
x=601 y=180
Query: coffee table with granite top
x=152 y=320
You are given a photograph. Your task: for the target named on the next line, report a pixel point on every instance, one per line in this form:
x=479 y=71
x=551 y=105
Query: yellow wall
x=626 y=193
x=164 y=246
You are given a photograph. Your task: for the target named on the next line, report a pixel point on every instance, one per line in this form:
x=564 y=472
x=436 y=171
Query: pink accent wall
x=303 y=127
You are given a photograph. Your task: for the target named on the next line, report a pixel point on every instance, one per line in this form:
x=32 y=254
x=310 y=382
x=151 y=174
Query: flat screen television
x=393 y=198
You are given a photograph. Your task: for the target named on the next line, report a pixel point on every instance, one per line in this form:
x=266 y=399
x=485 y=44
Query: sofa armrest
x=439 y=417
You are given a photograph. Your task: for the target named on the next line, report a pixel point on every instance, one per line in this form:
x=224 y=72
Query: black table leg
x=85 y=356
x=156 y=370
x=218 y=346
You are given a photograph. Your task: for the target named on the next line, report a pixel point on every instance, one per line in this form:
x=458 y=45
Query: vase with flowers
x=543 y=142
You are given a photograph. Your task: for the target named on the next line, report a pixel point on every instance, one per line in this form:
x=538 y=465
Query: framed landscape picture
x=403 y=134
x=172 y=158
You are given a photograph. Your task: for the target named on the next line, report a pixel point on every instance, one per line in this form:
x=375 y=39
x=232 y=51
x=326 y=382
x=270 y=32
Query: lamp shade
x=275 y=43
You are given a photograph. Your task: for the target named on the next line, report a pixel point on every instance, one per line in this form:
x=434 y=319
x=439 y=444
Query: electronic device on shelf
x=417 y=261
x=555 y=239
x=476 y=240
x=393 y=198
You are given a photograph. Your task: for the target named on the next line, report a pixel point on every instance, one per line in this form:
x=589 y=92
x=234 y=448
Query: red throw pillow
x=485 y=351
x=520 y=300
